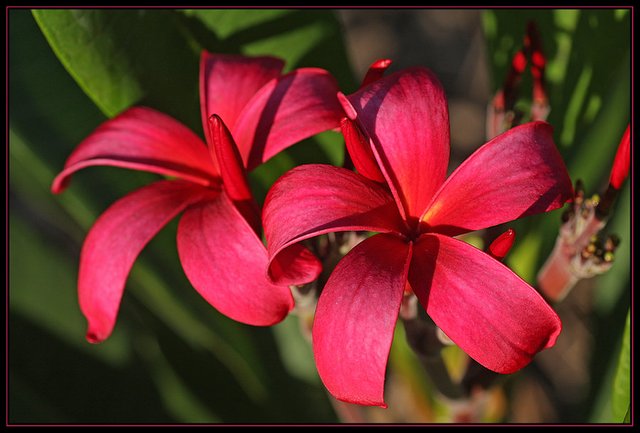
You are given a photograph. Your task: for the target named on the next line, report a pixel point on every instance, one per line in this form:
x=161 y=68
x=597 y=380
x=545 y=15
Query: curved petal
x=285 y=111
x=295 y=265
x=114 y=242
x=226 y=263
x=491 y=313
x=360 y=151
x=143 y=139
x=314 y=199
x=356 y=316
x=234 y=176
x=228 y=82
x=406 y=116
x=518 y=173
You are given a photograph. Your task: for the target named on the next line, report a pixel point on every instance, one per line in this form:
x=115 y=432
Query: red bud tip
x=376 y=71
x=620 y=168
x=519 y=62
x=500 y=247
x=93 y=338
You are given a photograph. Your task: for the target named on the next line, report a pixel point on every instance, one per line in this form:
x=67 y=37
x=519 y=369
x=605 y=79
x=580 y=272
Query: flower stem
x=422 y=338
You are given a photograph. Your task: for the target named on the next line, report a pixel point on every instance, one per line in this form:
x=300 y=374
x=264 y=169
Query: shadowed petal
x=518 y=173
x=406 y=116
x=314 y=199
x=228 y=82
x=285 y=111
x=491 y=313
x=356 y=316
x=226 y=263
x=142 y=139
x=114 y=242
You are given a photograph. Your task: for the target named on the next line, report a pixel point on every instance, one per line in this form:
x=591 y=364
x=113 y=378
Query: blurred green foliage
x=172 y=358
x=588 y=54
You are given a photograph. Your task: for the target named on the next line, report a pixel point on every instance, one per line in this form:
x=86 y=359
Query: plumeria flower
x=397 y=133
x=250 y=112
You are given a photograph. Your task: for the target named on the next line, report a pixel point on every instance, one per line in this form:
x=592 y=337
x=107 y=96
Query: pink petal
x=285 y=111
x=314 y=199
x=491 y=313
x=518 y=173
x=356 y=316
x=359 y=149
x=143 y=139
x=114 y=242
x=228 y=82
x=234 y=176
x=226 y=263
x=406 y=116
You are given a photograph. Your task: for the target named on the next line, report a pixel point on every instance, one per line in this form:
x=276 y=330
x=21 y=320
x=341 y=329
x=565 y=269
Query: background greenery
x=172 y=358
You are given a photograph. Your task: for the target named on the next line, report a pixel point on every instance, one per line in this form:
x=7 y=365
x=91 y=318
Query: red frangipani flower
x=398 y=136
x=218 y=234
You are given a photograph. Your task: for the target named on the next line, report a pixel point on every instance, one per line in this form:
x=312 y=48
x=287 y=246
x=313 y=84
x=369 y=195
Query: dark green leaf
x=126 y=57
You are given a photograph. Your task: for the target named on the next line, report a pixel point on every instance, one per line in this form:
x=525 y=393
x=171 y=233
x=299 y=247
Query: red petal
x=620 y=168
x=143 y=139
x=234 y=176
x=406 y=116
x=228 y=82
x=114 y=242
x=518 y=173
x=226 y=263
x=314 y=199
x=359 y=149
x=356 y=316
x=293 y=107
x=295 y=265
x=491 y=313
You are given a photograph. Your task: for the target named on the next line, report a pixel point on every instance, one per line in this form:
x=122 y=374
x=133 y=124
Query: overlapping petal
x=314 y=199
x=294 y=265
x=356 y=316
x=291 y=108
x=116 y=239
x=228 y=82
x=143 y=139
x=518 y=173
x=234 y=175
x=359 y=149
x=225 y=262
x=491 y=313
x=406 y=116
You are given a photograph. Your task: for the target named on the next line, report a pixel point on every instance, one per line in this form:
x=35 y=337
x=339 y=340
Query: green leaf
x=622 y=381
x=300 y=37
x=126 y=57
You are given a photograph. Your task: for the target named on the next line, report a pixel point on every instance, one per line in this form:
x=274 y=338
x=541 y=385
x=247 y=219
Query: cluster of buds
x=502 y=113
x=581 y=250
